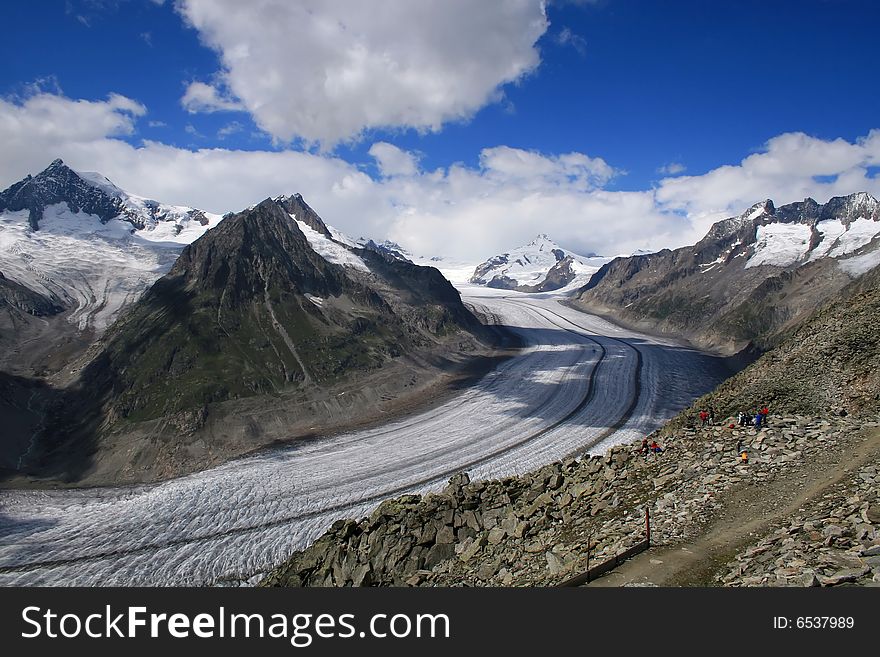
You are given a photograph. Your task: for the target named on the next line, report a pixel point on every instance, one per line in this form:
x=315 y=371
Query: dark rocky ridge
x=559 y=275
x=16 y=296
x=726 y=306
x=297 y=206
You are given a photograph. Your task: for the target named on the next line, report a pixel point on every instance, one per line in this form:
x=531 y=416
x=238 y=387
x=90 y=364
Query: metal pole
x=589 y=546
x=648 y=524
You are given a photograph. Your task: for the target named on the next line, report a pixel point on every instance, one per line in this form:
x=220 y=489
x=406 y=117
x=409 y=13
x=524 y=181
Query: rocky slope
x=539 y=266
x=245 y=342
x=826 y=366
x=749 y=279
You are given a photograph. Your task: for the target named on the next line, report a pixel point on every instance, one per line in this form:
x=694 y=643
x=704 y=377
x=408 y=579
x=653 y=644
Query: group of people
x=707 y=417
x=758 y=418
x=649 y=448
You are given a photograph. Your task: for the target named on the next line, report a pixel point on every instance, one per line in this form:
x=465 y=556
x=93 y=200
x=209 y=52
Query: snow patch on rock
x=780 y=245
x=330 y=250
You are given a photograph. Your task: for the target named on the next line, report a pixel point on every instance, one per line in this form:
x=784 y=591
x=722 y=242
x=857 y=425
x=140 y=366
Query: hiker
x=743 y=419
x=711 y=416
x=645 y=447
x=758 y=418
x=654 y=447
x=744 y=455
x=704 y=418
x=764 y=413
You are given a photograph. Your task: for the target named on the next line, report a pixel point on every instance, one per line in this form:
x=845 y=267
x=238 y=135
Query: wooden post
x=647 y=525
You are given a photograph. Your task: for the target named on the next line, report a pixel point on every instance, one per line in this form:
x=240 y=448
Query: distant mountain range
x=539 y=266
x=749 y=279
x=223 y=334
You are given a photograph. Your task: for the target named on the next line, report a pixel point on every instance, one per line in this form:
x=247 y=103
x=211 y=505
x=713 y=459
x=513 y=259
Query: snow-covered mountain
x=539 y=266
x=387 y=248
x=750 y=277
x=84 y=244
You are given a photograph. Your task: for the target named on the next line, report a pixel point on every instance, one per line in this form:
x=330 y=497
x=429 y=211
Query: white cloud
x=52 y=118
x=393 y=161
x=463 y=211
x=533 y=170
x=568 y=38
x=202 y=97
x=326 y=70
x=229 y=129
x=672 y=169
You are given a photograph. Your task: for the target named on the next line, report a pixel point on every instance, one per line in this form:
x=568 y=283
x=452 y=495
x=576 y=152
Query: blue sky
x=643 y=92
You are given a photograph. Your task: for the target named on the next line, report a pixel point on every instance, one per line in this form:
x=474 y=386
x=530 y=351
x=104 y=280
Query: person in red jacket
x=764 y=413
x=704 y=418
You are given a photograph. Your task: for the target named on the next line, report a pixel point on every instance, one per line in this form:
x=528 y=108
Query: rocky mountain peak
x=297 y=206
x=542 y=240
x=539 y=266
x=57 y=183
x=847 y=209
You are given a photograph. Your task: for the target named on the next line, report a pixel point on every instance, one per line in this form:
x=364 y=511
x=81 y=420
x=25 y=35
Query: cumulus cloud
x=464 y=211
x=531 y=170
x=52 y=118
x=203 y=97
x=393 y=161
x=326 y=70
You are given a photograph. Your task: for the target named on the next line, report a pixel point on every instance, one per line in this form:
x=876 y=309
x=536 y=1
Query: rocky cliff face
x=750 y=278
